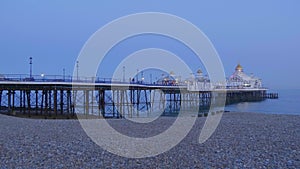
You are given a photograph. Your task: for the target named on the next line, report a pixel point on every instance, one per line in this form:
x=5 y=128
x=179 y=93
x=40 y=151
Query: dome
x=199 y=71
x=239 y=68
x=172 y=73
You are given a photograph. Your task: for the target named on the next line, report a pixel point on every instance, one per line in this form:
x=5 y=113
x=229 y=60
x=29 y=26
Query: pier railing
x=97 y=80
x=67 y=78
x=54 y=78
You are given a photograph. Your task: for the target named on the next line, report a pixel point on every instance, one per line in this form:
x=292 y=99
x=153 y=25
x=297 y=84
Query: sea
x=288 y=103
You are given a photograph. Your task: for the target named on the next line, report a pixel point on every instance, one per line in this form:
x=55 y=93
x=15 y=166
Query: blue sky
x=263 y=36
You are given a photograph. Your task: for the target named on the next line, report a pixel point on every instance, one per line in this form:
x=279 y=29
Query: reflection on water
x=288 y=103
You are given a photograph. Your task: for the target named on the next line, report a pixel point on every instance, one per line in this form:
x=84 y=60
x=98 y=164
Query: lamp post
x=77 y=68
x=123 y=73
x=30 y=71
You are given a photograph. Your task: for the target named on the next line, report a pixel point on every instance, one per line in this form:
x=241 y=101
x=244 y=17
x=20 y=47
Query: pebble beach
x=242 y=140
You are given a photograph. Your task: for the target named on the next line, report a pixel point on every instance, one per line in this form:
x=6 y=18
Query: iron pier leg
x=24 y=102
x=0 y=100
x=55 y=102
x=9 y=100
x=87 y=108
x=36 y=101
x=61 y=101
x=146 y=99
x=46 y=102
x=68 y=101
x=103 y=103
x=113 y=102
x=50 y=102
x=28 y=102
x=13 y=100
x=42 y=102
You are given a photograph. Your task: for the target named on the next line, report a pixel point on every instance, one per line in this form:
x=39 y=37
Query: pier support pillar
x=50 y=102
x=28 y=101
x=42 y=102
x=55 y=102
x=24 y=101
x=0 y=100
x=113 y=102
x=61 y=101
x=87 y=102
x=9 y=100
x=36 y=102
x=68 y=101
x=13 y=100
x=102 y=102
x=46 y=102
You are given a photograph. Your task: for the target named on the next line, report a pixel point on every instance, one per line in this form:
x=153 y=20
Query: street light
x=77 y=67
x=30 y=71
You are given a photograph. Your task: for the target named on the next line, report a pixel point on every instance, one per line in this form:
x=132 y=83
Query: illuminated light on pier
x=238 y=80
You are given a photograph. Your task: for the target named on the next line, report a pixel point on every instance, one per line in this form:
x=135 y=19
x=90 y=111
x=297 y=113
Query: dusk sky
x=263 y=36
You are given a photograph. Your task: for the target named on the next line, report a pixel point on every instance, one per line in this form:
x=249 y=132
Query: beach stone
x=242 y=140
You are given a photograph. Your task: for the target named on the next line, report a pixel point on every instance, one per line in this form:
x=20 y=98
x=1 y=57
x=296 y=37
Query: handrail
x=68 y=78
x=80 y=79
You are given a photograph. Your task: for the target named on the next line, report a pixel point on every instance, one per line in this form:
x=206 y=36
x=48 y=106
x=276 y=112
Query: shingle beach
x=242 y=140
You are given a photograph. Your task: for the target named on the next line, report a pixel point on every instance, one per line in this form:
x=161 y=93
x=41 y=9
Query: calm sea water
x=288 y=103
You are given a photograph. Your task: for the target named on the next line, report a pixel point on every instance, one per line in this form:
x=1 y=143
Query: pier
x=58 y=97
x=66 y=96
